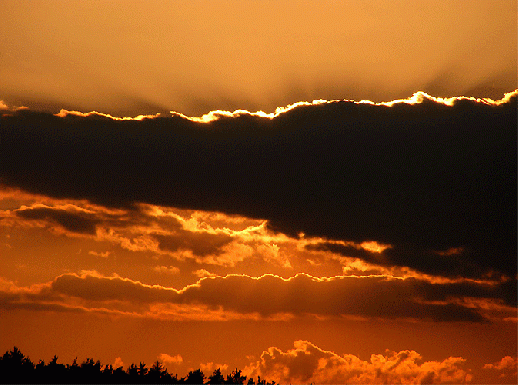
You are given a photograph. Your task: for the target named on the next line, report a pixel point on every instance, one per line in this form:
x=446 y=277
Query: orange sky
x=319 y=242
x=131 y=57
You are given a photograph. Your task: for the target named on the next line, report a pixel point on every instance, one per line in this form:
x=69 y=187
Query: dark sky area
x=426 y=178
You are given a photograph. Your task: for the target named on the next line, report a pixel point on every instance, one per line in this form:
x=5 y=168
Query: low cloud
x=268 y=297
x=506 y=368
x=507 y=362
x=209 y=367
x=307 y=363
x=200 y=236
x=168 y=359
x=118 y=363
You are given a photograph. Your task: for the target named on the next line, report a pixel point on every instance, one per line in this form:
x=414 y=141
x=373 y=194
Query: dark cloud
x=271 y=295
x=95 y=288
x=452 y=262
x=36 y=306
x=200 y=244
x=424 y=178
x=302 y=294
x=346 y=250
x=77 y=222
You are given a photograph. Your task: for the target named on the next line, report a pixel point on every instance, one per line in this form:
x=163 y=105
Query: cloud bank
x=433 y=178
x=266 y=297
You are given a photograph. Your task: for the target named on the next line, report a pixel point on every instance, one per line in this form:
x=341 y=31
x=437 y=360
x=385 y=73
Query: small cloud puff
x=118 y=363
x=168 y=359
x=507 y=367
x=167 y=270
x=209 y=367
x=201 y=273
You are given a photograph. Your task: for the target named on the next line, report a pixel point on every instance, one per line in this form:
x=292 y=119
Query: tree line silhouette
x=15 y=367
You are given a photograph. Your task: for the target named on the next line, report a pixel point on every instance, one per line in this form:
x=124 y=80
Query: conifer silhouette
x=15 y=367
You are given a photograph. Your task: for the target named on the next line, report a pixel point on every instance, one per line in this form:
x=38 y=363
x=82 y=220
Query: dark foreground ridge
x=15 y=367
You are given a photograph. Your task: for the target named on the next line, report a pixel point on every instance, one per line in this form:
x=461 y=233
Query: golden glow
x=65 y=113
x=374 y=246
x=238 y=240
x=196 y=57
x=205 y=289
x=416 y=98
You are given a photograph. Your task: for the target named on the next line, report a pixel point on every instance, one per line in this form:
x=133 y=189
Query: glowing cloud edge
x=417 y=98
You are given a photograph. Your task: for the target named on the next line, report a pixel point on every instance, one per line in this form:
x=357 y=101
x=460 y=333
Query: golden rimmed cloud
x=392 y=173
x=265 y=297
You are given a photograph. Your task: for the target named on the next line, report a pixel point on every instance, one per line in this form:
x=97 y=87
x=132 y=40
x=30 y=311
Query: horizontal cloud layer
x=269 y=296
x=425 y=176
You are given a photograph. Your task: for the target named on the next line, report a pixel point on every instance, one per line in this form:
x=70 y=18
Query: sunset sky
x=313 y=192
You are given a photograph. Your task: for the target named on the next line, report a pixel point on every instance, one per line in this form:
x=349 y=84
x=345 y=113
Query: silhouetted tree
x=119 y=376
x=173 y=379
x=157 y=372
x=52 y=372
x=40 y=366
x=235 y=377
x=195 y=377
x=16 y=368
x=142 y=370
x=91 y=370
x=216 y=378
x=107 y=372
x=133 y=372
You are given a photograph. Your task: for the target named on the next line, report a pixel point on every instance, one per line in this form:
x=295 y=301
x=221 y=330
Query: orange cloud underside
x=223 y=244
